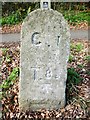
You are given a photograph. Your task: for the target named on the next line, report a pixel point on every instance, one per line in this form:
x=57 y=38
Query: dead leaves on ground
x=17 y=28
x=11 y=29
x=10 y=105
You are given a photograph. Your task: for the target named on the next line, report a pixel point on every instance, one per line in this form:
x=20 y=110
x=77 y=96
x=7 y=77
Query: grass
x=87 y=58
x=73 y=79
x=13 y=19
x=80 y=66
x=71 y=58
x=6 y=84
x=88 y=72
x=73 y=17
x=12 y=77
x=4 y=50
x=76 y=47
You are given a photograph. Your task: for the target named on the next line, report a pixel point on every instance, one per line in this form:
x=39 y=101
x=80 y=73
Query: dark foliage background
x=10 y=7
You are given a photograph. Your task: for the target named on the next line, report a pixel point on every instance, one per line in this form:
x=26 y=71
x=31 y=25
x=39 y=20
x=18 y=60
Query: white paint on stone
x=45 y=40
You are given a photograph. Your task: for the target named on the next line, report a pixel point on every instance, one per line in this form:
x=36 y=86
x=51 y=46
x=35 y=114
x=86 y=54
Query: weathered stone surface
x=44 y=54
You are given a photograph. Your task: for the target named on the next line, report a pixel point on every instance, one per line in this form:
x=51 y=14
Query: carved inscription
x=34 y=72
x=33 y=38
x=48 y=73
x=58 y=40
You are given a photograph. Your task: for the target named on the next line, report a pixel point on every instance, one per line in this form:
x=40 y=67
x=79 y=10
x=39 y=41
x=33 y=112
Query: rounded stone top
x=41 y=18
x=45 y=14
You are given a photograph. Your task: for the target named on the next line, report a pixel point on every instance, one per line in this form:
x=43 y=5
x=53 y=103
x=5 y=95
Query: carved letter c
x=32 y=38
